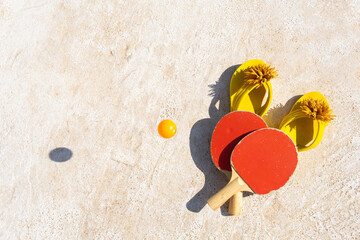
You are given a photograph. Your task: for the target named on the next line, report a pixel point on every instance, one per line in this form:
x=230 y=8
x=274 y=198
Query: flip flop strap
x=266 y=106
x=318 y=128
x=318 y=132
x=239 y=96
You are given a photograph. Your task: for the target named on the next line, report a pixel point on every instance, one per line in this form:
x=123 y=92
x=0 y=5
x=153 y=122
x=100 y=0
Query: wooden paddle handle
x=224 y=194
x=235 y=204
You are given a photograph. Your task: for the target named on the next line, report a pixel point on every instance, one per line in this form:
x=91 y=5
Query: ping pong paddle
x=263 y=161
x=228 y=132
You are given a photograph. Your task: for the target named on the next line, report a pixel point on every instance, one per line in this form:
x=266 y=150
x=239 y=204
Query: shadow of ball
x=60 y=154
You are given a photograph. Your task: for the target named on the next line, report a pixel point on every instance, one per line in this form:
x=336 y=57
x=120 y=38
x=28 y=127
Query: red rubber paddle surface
x=265 y=159
x=228 y=132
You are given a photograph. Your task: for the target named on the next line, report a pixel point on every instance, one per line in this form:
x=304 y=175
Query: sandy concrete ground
x=96 y=77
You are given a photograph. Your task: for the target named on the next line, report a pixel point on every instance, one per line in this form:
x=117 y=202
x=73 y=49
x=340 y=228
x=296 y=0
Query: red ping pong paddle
x=263 y=161
x=228 y=132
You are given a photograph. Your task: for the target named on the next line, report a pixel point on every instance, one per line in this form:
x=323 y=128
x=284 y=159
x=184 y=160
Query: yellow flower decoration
x=317 y=109
x=259 y=74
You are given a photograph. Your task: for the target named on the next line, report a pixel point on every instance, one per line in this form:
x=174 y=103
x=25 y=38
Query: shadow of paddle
x=200 y=138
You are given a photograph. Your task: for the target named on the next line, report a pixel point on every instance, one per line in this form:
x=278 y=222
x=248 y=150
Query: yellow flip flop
x=249 y=86
x=307 y=120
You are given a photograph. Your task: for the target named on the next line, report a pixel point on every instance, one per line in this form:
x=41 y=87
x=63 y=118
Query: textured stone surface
x=96 y=77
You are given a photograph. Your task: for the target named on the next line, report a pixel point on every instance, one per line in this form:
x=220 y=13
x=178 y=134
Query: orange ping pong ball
x=167 y=128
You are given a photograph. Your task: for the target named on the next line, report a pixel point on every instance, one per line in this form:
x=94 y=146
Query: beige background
x=97 y=76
